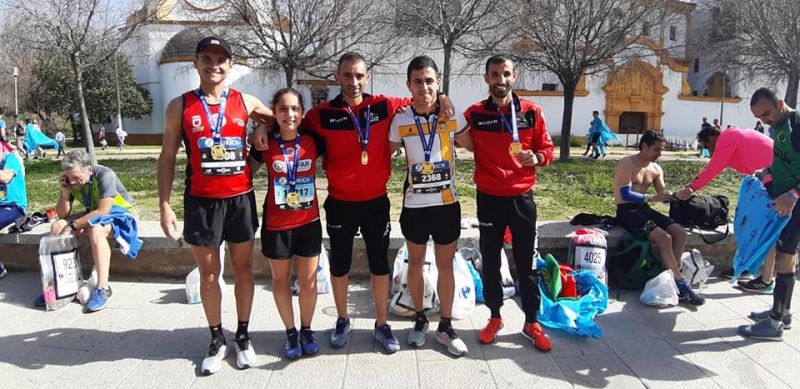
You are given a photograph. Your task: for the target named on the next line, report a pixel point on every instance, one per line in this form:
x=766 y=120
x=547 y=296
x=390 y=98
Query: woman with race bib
x=291 y=225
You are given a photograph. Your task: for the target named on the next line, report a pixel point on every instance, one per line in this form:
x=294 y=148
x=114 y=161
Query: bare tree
x=85 y=32
x=452 y=24
x=758 y=38
x=310 y=35
x=575 y=38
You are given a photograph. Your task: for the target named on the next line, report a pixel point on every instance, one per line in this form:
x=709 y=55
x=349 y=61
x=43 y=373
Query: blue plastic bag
x=757 y=226
x=575 y=316
x=476 y=277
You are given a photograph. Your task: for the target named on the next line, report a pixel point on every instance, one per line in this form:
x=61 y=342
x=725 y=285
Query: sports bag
x=703 y=212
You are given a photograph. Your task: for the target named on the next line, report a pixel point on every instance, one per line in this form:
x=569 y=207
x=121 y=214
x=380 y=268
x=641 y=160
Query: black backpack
x=702 y=212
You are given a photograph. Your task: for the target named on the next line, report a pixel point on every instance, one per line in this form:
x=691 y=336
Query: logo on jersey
x=197 y=123
x=282 y=181
x=239 y=122
x=303 y=166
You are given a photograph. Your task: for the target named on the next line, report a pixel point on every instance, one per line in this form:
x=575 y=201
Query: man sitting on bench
x=635 y=174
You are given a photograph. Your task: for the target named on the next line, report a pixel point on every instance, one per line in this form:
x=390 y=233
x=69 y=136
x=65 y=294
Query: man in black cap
x=219 y=203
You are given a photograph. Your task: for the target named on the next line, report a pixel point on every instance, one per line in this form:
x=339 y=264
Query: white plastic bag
x=60 y=270
x=323 y=273
x=193 y=280
x=660 y=291
x=587 y=250
x=695 y=268
x=401 y=303
x=464 y=299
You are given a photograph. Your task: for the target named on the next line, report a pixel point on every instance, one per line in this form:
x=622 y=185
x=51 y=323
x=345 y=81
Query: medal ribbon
x=511 y=127
x=427 y=145
x=363 y=136
x=291 y=166
x=87 y=198
x=216 y=130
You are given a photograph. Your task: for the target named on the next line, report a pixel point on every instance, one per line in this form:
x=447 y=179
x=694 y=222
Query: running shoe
x=212 y=363
x=489 y=333
x=383 y=334
x=99 y=299
x=764 y=315
x=245 y=355
x=3 y=271
x=292 y=349
x=762 y=330
x=534 y=332
x=757 y=285
x=416 y=338
x=341 y=332
x=688 y=296
x=308 y=342
x=449 y=339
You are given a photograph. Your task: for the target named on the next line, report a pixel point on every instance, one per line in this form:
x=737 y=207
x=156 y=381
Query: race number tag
x=225 y=159
x=65 y=269
x=287 y=201
x=427 y=180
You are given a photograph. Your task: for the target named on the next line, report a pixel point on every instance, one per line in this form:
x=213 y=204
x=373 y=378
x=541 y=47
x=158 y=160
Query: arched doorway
x=635 y=88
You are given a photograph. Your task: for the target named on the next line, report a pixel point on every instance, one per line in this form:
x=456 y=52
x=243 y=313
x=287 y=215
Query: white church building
x=667 y=88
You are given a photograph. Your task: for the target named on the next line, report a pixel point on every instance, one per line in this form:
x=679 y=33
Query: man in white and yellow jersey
x=430 y=201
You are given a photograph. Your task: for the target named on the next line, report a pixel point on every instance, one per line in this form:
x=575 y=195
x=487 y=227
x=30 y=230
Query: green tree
x=56 y=92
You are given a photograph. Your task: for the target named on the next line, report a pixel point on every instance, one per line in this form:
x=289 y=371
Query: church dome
x=181 y=47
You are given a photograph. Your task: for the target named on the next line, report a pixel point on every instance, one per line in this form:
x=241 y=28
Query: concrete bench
x=162 y=257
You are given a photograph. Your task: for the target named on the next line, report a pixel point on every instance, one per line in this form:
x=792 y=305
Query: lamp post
x=722 y=98
x=16 y=106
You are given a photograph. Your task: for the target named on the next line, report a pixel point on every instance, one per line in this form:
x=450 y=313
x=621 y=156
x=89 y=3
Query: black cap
x=213 y=41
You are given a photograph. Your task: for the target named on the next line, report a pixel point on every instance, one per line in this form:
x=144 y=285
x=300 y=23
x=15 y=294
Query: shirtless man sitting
x=635 y=174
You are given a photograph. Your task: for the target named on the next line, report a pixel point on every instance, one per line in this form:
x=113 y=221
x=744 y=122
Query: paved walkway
x=148 y=337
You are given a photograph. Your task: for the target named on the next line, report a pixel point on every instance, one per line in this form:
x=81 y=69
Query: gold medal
x=218 y=152
x=427 y=168
x=293 y=199
x=515 y=148
x=364 y=157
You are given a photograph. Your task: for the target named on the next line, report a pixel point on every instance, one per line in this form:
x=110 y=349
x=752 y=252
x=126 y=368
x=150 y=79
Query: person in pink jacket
x=747 y=152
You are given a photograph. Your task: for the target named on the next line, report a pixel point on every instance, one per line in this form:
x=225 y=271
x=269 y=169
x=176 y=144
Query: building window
x=318 y=96
x=696 y=65
x=646 y=28
x=549 y=87
x=672 y=33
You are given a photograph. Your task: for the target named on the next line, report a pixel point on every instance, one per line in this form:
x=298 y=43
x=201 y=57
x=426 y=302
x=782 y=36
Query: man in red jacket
x=509 y=138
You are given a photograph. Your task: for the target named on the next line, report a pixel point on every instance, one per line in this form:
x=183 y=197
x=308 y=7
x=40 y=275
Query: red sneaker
x=534 y=332
x=489 y=333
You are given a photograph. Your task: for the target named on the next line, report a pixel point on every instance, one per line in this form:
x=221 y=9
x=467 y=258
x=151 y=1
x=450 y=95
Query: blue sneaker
x=292 y=349
x=308 y=342
x=3 y=271
x=384 y=335
x=764 y=330
x=99 y=299
x=340 y=332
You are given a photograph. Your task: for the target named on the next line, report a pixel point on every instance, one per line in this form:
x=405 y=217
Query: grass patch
x=562 y=189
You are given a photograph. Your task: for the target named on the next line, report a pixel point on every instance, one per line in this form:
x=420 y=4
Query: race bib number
x=426 y=181
x=65 y=269
x=225 y=159
x=304 y=187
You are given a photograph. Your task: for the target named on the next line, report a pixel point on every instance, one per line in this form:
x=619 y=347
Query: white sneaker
x=212 y=363
x=245 y=354
x=454 y=344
